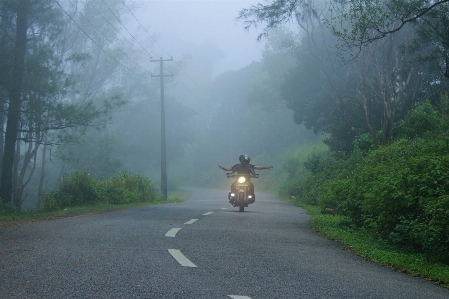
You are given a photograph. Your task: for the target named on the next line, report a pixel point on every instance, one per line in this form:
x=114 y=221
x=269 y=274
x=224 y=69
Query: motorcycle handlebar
x=235 y=175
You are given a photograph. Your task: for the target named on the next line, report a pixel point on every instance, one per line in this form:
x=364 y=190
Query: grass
x=372 y=249
x=173 y=197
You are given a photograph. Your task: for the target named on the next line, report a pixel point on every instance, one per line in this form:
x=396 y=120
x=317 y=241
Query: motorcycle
x=241 y=196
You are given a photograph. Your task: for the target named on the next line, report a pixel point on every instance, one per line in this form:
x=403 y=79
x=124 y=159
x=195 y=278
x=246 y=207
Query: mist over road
x=201 y=248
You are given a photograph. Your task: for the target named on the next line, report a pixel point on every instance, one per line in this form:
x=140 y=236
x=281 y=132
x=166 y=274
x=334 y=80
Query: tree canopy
x=361 y=65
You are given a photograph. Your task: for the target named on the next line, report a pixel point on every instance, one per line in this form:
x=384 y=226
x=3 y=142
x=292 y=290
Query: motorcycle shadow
x=235 y=210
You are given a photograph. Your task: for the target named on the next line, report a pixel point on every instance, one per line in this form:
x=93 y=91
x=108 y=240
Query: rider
x=244 y=168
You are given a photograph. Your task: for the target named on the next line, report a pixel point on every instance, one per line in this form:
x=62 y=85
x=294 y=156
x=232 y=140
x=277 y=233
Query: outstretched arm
x=262 y=167
x=225 y=168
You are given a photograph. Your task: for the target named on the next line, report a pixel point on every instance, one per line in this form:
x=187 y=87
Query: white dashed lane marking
x=172 y=232
x=191 y=221
x=177 y=254
x=208 y=213
x=239 y=297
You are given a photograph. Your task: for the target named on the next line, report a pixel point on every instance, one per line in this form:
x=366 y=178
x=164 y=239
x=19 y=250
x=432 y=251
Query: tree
x=368 y=20
x=371 y=20
x=373 y=89
x=38 y=108
x=314 y=85
x=431 y=45
x=22 y=10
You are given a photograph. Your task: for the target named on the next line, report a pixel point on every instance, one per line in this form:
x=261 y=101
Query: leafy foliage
x=8 y=210
x=128 y=188
x=421 y=121
x=397 y=192
x=77 y=189
x=372 y=20
x=80 y=189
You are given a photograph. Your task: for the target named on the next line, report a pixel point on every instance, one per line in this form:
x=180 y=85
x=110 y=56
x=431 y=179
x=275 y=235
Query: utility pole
x=163 y=147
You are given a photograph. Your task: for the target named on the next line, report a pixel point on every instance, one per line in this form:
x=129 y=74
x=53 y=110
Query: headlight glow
x=242 y=179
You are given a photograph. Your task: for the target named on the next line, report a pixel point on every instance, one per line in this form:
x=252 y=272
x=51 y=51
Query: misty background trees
x=349 y=102
x=58 y=80
x=77 y=93
x=371 y=76
x=83 y=100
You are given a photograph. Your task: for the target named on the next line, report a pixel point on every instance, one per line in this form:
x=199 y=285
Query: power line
x=116 y=30
x=79 y=27
x=135 y=18
x=158 y=43
x=107 y=38
x=118 y=19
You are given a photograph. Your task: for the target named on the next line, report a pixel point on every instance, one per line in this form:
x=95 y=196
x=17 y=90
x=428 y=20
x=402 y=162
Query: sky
x=182 y=25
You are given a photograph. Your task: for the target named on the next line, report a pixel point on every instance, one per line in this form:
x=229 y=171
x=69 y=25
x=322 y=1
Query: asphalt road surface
x=201 y=248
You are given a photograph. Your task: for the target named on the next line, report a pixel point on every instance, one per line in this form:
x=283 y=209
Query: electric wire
x=101 y=48
x=107 y=38
x=152 y=38
x=118 y=19
x=157 y=43
x=121 y=23
x=116 y=30
x=177 y=63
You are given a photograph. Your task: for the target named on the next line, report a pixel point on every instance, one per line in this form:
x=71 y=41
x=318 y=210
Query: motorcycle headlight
x=242 y=179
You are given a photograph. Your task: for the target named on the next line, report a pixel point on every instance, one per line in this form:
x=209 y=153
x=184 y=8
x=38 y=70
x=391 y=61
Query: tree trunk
x=2 y=136
x=371 y=131
x=16 y=200
x=23 y=7
x=40 y=200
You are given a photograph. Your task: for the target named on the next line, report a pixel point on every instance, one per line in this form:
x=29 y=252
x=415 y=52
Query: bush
x=128 y=188
x=81 y=189
x=8 y=210
x=398 y=192
x=76 y=189
x=420 y=121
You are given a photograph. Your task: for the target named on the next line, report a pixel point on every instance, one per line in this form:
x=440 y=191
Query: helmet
x=244 y=158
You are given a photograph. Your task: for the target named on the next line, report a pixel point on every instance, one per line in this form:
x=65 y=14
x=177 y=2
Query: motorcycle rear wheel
x=242 y=208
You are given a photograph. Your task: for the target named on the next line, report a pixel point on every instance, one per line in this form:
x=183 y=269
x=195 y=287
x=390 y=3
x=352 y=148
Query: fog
x=222 y=91
x=208 y=117
x=91 y=95
x=183 y=26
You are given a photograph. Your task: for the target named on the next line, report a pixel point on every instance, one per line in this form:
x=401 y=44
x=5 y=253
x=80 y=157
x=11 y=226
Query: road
x=201 y=248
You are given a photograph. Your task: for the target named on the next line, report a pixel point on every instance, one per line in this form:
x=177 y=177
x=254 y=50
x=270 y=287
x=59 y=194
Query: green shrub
x=399 y=192
x=82 y=189
x=365 y=142
x=7 y=210
x=114 y=194
x=129 y=188
x=76 y=189
x=420 y=121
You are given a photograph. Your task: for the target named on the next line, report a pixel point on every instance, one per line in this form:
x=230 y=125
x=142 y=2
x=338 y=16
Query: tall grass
x=81 y=189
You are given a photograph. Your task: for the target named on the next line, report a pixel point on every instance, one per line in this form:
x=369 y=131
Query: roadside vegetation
x=80 y=192
x=367 y=245
x=372 y=79
x=389 y=204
